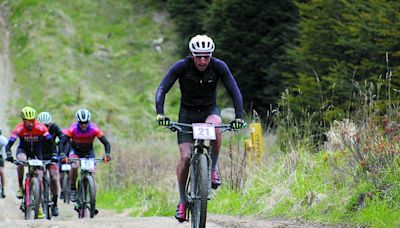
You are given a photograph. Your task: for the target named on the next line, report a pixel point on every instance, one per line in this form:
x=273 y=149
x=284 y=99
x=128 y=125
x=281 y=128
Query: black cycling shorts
x=194 y=115
x=29 y=154
x=74 y=153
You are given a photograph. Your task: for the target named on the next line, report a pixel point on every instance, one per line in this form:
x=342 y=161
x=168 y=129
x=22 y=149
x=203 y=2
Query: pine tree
x=188 y=17
x=251 y=37
x=345 y=44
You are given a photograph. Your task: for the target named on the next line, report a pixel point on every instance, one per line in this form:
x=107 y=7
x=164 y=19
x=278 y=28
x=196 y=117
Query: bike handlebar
x=74 y=160
x=175 y=126
x=25 y=163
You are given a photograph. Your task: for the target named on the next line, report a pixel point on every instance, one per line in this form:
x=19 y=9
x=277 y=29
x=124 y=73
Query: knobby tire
x=47 y=200
x=66 y=187
x=32 y=207
x=91 y=195
x=88 y=198
x=200 y=182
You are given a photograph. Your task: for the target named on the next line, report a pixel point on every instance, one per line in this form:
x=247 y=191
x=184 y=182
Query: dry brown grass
x=154 y=163
x=370 y=151
x=142 y=163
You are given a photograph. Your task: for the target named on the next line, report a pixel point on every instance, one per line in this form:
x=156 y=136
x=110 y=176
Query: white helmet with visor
x=201 y=45
x=83 y=115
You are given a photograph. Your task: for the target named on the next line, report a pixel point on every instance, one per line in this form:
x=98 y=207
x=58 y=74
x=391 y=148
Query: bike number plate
x=87 y=164
x=203 y=131
x=65 y=167
x=35 y=162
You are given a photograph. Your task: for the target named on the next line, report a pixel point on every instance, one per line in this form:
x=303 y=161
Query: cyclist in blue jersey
x=198 y=76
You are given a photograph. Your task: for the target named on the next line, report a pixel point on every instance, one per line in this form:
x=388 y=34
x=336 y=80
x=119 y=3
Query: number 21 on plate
x=203 y=131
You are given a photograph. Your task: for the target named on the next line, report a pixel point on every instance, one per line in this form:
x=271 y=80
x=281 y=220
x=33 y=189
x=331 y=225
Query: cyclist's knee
x=21 y=157
x=185 y=159
x=214 y=119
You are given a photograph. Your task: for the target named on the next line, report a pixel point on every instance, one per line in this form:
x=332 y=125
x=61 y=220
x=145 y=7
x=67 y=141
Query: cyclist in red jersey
x=80 y=136
x=33 y=136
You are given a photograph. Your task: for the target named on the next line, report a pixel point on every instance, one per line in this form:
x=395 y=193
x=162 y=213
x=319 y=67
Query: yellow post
x=257 y=141
x=249 y=150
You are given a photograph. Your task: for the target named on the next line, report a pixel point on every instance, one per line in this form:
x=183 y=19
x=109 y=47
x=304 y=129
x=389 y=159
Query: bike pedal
x=22 y=208
x=182 y=219
x=215 y=186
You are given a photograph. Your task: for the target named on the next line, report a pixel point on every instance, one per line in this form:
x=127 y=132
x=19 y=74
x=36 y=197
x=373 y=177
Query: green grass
x=378 y=214
x=139 y=201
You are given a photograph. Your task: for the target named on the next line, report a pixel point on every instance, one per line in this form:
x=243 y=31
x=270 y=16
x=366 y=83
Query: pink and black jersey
x=82 y=141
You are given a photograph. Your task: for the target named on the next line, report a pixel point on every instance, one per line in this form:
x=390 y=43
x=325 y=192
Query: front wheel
x=32 y=198
x=199 y=181
x=88 y=197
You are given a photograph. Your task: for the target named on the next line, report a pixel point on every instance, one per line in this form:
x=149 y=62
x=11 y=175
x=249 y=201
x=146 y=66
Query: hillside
x=105 y=59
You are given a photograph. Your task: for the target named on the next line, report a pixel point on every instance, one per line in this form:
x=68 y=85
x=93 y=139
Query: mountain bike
x=198 y=186
x=86 y=192
x=31 y=199
x=65 y=185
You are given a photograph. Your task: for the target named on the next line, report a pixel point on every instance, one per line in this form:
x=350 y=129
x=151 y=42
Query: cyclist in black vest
x=55 y=132
x=198 y=76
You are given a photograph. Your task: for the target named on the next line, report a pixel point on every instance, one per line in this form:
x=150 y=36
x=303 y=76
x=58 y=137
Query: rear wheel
x=47 y=198
x=199 y=181
x=66 y=187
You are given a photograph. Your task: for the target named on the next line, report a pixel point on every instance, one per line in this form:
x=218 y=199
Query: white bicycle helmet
x=83 y=115
x=201 y=44
x=44 y=117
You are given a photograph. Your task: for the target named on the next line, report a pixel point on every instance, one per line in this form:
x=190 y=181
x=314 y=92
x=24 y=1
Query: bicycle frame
x=198 y=186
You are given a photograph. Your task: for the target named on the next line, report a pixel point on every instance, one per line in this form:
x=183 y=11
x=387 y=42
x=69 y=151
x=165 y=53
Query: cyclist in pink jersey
x=80 y=136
